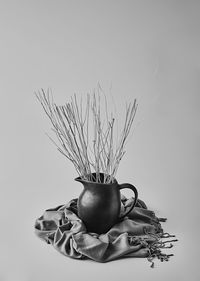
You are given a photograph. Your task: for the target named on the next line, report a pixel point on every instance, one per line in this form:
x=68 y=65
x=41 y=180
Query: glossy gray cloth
x=138 y=235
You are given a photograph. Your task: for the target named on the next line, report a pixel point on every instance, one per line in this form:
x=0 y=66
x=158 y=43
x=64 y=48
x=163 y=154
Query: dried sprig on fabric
x=86 y=134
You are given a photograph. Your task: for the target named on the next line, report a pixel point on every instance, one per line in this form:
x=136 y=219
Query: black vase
x=99 y=204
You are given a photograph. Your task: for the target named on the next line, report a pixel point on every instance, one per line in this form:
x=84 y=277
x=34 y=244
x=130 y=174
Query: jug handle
x=133 y=188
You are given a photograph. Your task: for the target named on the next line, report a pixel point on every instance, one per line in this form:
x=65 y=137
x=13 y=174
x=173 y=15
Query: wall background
x=144 y=49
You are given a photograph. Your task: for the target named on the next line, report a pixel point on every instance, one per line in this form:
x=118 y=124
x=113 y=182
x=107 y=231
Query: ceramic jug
x=99 y=204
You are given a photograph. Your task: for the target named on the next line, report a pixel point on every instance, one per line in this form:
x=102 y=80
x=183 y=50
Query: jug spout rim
x=79 y=179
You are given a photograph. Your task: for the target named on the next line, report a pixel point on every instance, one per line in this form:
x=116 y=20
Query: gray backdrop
x=143 y=49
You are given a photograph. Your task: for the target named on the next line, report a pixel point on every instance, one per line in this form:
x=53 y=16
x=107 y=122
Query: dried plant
x=74 y=124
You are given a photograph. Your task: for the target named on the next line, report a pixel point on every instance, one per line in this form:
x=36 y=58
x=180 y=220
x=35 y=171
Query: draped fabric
x=138 y=235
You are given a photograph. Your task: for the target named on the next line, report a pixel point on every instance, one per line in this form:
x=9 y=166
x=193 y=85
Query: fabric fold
x=138 y=235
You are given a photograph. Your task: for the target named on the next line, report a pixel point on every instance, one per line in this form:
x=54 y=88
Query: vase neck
x=100 y=181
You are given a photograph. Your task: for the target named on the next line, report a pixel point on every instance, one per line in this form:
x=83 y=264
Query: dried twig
x=100 y=153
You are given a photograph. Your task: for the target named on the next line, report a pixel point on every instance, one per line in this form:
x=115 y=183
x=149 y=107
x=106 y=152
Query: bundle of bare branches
x=86 y=134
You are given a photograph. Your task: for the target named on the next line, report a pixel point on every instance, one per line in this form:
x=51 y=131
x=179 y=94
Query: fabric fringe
x=155 y=245
x=155 y=248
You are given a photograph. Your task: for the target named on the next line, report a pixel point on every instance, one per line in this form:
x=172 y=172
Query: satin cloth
x=137 y=235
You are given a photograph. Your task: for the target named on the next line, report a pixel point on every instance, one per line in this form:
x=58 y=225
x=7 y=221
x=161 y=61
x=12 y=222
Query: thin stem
x=71 y=123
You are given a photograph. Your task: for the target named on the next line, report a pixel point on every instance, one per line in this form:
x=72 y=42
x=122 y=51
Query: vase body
x=99 y=205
